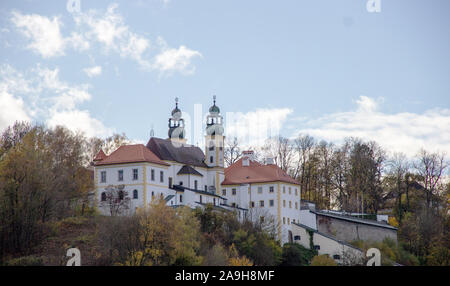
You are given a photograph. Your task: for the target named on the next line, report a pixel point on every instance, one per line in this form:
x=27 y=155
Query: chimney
x=247 y=157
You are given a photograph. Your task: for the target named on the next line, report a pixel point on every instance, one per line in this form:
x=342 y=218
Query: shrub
x=323 y=260
x=26 y=261
x=296 y=255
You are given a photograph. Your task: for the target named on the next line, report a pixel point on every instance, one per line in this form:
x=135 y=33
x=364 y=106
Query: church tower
x=176 y=125
x=214 y=144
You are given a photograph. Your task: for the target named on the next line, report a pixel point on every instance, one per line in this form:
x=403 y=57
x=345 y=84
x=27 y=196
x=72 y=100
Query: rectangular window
x=135 y=174
x=211 y=159
x=120 y=175
x=206 y=188
x=337 y=257
x=252 y=204
x=297 y=237
x=170 y=182
x=152 y=174
x=233 y=192
x=200 y=198
x=284 y=220
x=271 y=203
x=181 y=198
x=284 y=189
x=261 y=204
x=284 y=203
x=290 y=204
x=296 y=205
x=317 y=247
x=289 y=221
x=259 y=190
x=271 y=189
x=195 y=184
x=224 y=192
x=289 y=190
x=161 y=176
x=295 y=191
x=261 y=219
x=103 y=177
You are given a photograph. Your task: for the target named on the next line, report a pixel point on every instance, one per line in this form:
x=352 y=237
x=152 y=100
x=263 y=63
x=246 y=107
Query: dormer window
x=246 y=162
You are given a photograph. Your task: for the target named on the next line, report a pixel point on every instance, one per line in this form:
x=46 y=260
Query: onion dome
x=214 y=109
x=176 y=112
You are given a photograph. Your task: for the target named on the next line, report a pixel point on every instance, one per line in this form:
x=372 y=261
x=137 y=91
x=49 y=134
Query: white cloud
x=93 y=71
x=111 y=33
x=79 y=120
x=254 y=127
x=170 y=60
x=45 y=34
x=78 y=41
x=12 y=109
x=398 y=132
x=40 y=94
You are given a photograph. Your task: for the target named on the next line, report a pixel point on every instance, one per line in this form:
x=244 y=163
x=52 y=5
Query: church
x=185 y=175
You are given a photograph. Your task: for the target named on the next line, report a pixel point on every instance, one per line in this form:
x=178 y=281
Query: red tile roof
x=255 y=173
x=100 y=156
x=131 y=154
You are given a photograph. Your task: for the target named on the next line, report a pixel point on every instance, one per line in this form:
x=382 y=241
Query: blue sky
x=327 y=68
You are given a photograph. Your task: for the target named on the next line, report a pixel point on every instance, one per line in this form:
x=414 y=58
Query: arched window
x=135 y=194
x=103 y=196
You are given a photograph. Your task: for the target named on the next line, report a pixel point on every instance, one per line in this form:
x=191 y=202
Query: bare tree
x=108 y=145
x=281 y=150
x=115 y=200
x=430 y=167
x=339 y=171
x=304 y=146
x=232 y=152
x=398 y=169
x=264 y=220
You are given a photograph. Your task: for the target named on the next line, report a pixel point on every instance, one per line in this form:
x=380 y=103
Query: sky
x=328 y=68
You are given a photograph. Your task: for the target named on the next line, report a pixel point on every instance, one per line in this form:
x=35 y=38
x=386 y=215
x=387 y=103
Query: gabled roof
x=188 y=170
x=326 y=235
x=353 y=219
x=255 y=173
x=131 y=154
x=100 y=156
x=187 y=154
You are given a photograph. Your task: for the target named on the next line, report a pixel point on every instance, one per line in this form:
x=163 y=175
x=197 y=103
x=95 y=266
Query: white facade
x=340 y=251
x=152 y=181
x=277 y=200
